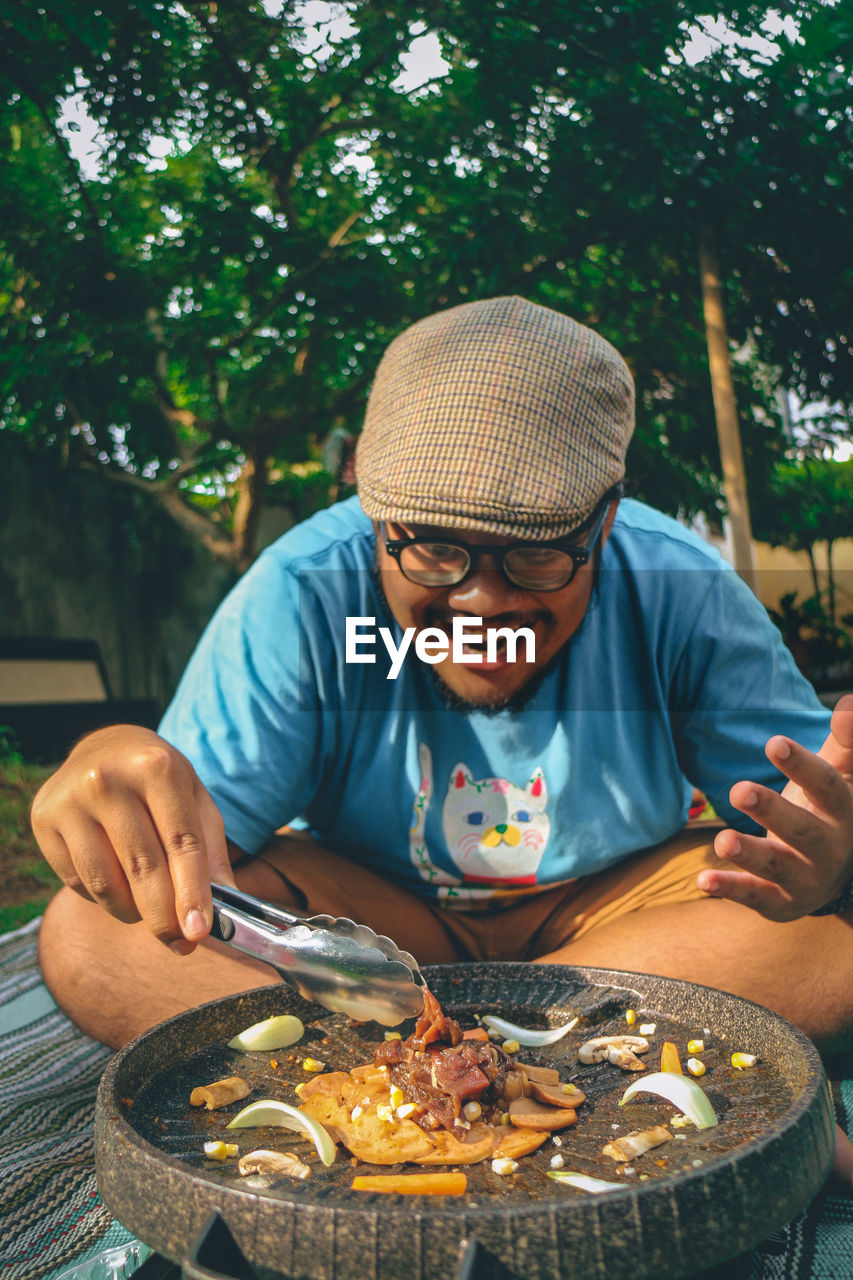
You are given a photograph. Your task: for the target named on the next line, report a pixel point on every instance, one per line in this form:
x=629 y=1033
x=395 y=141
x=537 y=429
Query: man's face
x=553 y=616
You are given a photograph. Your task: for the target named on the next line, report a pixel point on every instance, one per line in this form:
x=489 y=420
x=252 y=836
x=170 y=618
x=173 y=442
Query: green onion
x=681 y=1091
x=528 y=1036
x=270 y=1111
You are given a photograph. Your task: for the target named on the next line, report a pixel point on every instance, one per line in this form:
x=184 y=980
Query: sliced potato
x=515 y=1143
x=448 y=1149
x=330 y=1112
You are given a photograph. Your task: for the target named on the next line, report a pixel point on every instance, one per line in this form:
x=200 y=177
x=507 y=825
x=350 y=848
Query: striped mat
x=50 y=1212
x=51 y=1215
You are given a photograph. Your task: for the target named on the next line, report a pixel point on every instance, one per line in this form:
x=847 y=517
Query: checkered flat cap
x=498 y=415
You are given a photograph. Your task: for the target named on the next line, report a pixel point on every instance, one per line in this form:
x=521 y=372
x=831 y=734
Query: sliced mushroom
x=561 y=1095
x=515 y=1086
x=542 y=1075
x=278 y=1162
x=220 y=1093
x=635 y=1144
x=528 y=1114
x=620 y=1050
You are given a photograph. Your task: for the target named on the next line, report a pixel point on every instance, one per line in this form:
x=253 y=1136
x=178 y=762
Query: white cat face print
x=496 y=832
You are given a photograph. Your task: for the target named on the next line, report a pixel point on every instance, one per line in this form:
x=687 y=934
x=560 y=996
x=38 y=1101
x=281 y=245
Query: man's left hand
x=805 y=859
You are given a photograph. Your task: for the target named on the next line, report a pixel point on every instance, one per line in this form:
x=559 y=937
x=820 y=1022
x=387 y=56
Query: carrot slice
x=414 y=1184
x=475 y=1033
x=669 y=1060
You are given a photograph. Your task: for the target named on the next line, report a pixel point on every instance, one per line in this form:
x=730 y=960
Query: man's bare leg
x=116 y=980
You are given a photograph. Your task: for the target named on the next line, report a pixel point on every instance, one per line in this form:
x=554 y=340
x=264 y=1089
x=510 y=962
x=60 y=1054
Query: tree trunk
x=813 y=567
x=725 y=408
x=251 y=490
x=830 y=581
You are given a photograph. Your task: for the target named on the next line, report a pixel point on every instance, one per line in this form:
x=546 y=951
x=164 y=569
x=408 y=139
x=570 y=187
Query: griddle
x=703 y=1197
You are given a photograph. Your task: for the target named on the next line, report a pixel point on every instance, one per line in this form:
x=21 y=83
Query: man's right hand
x=126 y=823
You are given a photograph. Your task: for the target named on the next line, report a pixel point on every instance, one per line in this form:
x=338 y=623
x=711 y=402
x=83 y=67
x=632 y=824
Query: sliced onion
x=270 y=1111
x=272 y=1033
x=528 y=1036
x=584 y=1182
x=681 y=1091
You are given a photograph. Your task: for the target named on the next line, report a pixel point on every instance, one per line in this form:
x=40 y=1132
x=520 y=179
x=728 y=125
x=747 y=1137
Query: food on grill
x=530 y=1037
x=636 y=1144
x=447 y=1097
x=620 y=1050
x=281 y=1163
x=414 y=1184
x=272 y=1033
x=219 y=1094
x=681 y=1091
x=440 y=1098
x=669 y=1059
x=271 y=1111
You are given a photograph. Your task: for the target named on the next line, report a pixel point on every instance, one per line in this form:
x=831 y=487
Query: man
x=511 y=787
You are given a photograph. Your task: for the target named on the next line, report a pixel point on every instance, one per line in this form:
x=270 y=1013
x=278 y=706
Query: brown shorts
x=295 y=871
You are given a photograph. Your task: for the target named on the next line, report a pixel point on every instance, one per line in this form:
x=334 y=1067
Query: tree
x=807 y=502
x=196 y=325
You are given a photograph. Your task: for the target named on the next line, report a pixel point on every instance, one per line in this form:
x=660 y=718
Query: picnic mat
x=51 y=1215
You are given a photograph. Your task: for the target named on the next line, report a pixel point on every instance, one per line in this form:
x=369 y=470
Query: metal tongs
x=334 y=962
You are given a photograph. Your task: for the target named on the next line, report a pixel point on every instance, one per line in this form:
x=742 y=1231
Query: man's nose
x=485 y=592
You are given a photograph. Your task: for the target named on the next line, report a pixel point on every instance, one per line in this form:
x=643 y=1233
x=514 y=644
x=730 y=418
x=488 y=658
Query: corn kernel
x=556 y=1139
x=312 y=1064
x=406 y=1110
x=503 y=1166
x=397 y=1097
x=385 y=1113
x=569 y=1089
x=220 y=1150
x=393 y=1035
x=511 y=1046
x=298 y=1088
x=695 y=1067
x=557 y=1161
x=741 y=1060
x=648 y=1028
x=505 y=1118
x=679 y=1121
x=356 y=1112
x=695 y=1046
x=472 y=1111
x=630 y=1017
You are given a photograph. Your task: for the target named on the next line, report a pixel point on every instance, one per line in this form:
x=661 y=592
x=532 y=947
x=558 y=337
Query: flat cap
x=499 y=415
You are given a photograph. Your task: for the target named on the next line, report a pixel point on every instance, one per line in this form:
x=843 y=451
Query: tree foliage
x=273 y=202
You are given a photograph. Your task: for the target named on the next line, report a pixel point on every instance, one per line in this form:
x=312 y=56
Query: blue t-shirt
x=676 y=678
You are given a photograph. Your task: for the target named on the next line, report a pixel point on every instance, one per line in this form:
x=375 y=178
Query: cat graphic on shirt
x=496 y=831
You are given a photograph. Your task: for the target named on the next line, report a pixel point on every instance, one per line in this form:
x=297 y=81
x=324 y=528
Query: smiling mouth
x=476 y=650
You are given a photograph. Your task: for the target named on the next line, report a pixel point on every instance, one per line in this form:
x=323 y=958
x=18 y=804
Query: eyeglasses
x=543 y=566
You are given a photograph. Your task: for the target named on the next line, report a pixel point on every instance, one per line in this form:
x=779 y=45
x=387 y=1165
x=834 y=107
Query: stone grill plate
x=706 y=1197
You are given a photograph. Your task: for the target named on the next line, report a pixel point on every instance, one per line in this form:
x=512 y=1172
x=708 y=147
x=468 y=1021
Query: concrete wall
x=81 y=558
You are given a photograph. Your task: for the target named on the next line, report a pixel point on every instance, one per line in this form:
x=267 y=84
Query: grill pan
x=704 y=1198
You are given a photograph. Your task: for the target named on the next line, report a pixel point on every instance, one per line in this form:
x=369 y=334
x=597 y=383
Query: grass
x=27 y=882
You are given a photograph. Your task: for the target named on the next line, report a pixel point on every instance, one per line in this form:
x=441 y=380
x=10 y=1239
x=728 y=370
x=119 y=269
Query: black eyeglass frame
x=579 y=556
